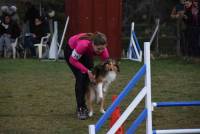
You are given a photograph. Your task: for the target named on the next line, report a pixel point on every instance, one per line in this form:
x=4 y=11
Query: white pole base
x=177 y=131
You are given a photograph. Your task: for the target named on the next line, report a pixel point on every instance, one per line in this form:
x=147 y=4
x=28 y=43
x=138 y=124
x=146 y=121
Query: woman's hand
x=91 y=76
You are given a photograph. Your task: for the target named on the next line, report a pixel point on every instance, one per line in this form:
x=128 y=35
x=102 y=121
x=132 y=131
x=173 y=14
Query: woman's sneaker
x=82 y=113
x=85 y=109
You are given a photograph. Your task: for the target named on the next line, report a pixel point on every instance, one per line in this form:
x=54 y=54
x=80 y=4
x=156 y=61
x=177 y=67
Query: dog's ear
x=118 y=70
x=107 y=61
x=117 y=66
x=116 y=63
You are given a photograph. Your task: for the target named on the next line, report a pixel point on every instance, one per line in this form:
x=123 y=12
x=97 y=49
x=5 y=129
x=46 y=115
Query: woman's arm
x=77 y=64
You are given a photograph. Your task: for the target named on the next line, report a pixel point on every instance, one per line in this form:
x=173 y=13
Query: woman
x=79 y=54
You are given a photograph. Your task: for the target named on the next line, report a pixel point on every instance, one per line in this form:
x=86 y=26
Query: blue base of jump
x=174 y=104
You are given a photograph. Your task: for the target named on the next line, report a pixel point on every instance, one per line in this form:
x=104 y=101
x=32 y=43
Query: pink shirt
x=83 y=47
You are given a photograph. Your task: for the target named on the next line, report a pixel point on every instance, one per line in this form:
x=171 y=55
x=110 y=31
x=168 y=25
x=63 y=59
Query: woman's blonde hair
x=97 y=38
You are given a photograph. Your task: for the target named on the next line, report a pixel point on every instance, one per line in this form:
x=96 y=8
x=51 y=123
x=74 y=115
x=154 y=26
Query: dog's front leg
x=105 y=86
x=102 y=106
x=100 y=97
x=90 y=101
x=99 y=91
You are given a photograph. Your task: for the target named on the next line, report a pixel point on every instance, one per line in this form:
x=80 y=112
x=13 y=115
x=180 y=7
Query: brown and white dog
x=104 y=74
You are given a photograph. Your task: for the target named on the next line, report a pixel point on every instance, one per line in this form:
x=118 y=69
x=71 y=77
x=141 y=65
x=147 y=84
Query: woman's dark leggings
x=82 y=80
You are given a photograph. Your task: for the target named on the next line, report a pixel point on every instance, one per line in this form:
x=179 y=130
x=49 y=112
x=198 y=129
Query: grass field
x=37 y=97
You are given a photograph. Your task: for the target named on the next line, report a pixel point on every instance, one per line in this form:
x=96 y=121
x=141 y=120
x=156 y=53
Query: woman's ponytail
x=97 y=38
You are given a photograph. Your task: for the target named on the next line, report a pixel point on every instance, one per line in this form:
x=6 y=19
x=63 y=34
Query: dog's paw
x=104 y=90
x=90 y=114
x=102 y=111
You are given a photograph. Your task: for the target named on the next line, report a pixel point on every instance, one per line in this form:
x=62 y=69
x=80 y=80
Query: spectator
x=178 y=10
x=178 y=13
x=4 y=10
x=14 y=15
x=40 y=29
x=188 y=21
x=195 y=29
x=9 y=31
x=192 y=19
x=11 y=11
x=188 y=14
x=30 y=15
x=195 y=13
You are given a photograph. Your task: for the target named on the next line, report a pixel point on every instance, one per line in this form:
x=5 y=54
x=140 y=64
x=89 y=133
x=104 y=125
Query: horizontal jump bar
x=177 y=131
x=173 y=104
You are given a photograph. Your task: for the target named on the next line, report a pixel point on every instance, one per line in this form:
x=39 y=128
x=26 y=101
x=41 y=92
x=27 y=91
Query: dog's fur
x=104 y=75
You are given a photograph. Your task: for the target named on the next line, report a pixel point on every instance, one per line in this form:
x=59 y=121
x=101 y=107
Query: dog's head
x=111 y=65
x=101 y=70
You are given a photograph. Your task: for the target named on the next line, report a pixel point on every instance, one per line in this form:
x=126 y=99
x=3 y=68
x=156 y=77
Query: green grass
x=37 y=97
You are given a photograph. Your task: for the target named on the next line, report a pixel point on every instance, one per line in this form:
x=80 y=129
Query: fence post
x=148 y=87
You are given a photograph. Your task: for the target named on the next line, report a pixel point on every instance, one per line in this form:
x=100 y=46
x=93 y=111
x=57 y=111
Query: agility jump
x=145 y=93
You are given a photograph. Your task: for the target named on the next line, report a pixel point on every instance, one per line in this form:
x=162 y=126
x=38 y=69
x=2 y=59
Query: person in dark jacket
x=40 y=30
x=195 y=28
x=192 y=19
x=9 y=31
x=30 y=15
x=178 y=14
x=188 y=22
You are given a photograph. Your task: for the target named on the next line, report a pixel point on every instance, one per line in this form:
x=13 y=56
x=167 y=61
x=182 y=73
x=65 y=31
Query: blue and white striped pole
x=176 y=104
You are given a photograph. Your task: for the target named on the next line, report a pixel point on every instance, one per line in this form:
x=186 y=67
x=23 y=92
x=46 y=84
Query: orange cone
x=114 y=117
